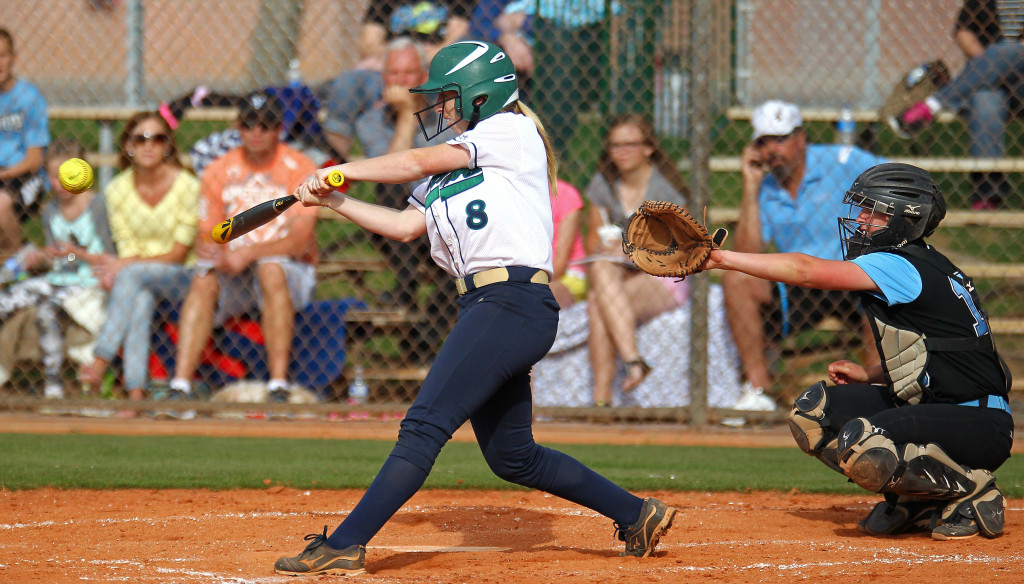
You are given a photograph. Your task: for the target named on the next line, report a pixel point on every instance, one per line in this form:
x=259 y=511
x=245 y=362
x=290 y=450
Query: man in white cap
x=792 y=192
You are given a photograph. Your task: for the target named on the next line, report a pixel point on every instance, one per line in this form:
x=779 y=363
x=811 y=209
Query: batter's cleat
x=982 y=511
x=642 y=537
x=901 y=515
x=319 y=558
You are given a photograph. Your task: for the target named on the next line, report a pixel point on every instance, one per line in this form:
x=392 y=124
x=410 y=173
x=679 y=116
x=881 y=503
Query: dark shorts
x=804 y=308
x=27 y=190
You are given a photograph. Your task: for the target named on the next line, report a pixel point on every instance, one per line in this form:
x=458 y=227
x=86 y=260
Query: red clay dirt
x=233 y=537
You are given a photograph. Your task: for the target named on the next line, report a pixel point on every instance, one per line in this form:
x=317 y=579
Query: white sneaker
x=53 y=391
x=752 y=399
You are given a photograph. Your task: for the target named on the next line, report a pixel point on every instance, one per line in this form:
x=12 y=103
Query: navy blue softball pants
x=482 y=374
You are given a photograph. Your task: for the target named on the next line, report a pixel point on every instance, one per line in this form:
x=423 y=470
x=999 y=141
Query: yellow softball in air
x=75 y=175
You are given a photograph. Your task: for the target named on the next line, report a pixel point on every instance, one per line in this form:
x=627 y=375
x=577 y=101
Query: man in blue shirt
x=24 y=134
x=791 y=190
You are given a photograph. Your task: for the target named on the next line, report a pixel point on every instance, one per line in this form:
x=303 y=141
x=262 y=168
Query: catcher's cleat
x=901 y=515
x=982 y=511
x=319 y=558
x=642 y=537
x=912 y=120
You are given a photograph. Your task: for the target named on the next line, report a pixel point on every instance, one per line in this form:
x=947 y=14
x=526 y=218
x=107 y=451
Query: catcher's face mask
x=867 y=226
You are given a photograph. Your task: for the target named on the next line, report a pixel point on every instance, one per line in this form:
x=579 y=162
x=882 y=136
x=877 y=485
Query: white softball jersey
x=497 y=212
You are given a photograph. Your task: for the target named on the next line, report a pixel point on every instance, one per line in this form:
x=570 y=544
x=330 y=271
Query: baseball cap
x=775 y=118
x=263 y=107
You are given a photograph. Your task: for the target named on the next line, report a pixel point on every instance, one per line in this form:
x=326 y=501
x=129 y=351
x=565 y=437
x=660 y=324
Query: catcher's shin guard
x=870 y=458
x=810 y=426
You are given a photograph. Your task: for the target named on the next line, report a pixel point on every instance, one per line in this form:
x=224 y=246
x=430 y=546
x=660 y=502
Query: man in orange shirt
x=258 y=268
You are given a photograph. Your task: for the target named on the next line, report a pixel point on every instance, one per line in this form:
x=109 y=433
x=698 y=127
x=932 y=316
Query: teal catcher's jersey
x=497 y=212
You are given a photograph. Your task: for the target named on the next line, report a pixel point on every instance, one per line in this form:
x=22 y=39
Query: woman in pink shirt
x=569 y=284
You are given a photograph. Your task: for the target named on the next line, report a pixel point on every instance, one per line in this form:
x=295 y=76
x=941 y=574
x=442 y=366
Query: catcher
x=927 y=427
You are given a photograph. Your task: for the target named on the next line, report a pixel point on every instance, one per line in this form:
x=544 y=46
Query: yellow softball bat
x=335 y=179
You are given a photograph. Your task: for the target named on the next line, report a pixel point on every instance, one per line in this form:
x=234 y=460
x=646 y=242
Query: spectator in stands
x=24 y=135
x=632 y=168
x=990 y=86
x=77 y=234
x=370 y=108
x=569 y=279
x=432 y=23
x=301 y=128
x=788 y=185
x=153 y=205
x=257 y=268
x=573 y=67
x=512 y=31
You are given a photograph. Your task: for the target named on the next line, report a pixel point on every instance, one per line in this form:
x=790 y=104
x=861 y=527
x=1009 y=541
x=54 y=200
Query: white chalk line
x=340 y=514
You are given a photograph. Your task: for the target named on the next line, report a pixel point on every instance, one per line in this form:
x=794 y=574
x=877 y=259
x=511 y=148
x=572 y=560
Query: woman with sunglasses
x=632 y=168
x=153 y=206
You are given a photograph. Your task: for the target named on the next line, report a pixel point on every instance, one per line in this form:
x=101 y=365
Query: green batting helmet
x=482 y=76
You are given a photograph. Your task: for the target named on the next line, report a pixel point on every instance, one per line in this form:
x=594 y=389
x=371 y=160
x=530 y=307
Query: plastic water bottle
x=846 y=126
x=294 y=73
x=13 y=268
x=358 y=390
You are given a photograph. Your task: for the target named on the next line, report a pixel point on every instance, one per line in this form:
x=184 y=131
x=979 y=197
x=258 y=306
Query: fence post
x=273 y=41
x=134 y=82
x=700 y=177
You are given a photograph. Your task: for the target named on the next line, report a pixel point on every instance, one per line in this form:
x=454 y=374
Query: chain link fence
x=696 y=69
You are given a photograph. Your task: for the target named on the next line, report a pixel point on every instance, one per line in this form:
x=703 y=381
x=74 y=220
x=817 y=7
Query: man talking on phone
x=792 y=190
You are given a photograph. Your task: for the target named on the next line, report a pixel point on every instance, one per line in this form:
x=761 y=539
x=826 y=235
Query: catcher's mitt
x=663 y=239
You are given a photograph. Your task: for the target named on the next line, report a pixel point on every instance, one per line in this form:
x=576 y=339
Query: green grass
x=160 y=462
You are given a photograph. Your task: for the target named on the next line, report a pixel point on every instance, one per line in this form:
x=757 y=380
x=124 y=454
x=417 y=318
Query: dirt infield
x=178 y=536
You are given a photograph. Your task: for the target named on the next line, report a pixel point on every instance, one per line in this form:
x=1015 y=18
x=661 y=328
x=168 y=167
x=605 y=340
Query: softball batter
x=488 y=217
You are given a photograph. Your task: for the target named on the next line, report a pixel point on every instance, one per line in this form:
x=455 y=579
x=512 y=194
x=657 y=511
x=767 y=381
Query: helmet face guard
x=905 y=196
x=859 y=237
x=439 y=125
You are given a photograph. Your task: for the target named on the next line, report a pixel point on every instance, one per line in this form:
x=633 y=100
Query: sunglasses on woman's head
x=140 y=139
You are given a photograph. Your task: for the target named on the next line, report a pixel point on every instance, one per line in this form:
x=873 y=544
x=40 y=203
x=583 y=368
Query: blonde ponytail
x=521 y=108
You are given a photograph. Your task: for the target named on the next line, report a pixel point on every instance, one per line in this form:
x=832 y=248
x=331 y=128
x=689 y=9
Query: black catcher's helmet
x=905 y=194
